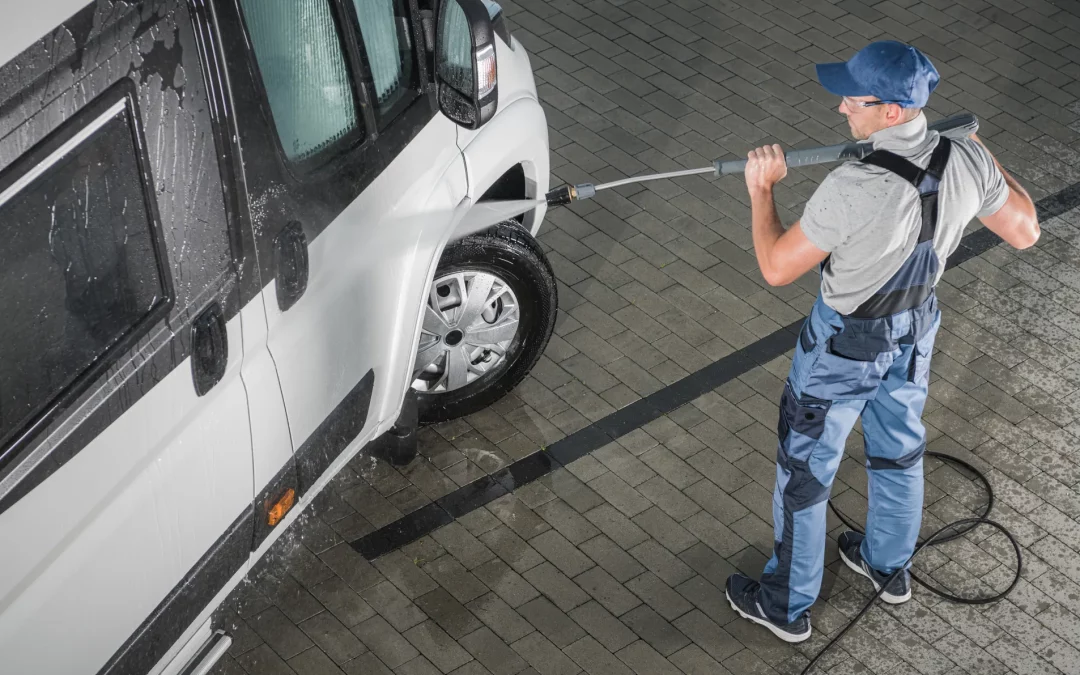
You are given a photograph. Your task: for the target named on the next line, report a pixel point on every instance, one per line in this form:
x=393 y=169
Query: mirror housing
x=466 y=72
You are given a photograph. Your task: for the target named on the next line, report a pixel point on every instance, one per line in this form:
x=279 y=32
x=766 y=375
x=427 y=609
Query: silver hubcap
x=469 y=322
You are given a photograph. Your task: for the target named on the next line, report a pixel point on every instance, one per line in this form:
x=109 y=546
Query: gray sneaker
x=898 y=592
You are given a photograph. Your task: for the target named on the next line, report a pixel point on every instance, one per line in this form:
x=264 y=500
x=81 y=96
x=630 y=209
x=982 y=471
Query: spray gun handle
x=957 y=126
x=830 y=153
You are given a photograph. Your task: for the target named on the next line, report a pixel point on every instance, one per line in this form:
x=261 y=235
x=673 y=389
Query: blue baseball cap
x=892 y=71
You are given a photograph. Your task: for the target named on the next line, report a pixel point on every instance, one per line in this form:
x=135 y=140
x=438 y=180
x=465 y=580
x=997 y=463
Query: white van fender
x=440 y=207
x=518 y=134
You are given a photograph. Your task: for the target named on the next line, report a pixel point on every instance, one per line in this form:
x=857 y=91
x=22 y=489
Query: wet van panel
x=117 y=476
x=342 y=144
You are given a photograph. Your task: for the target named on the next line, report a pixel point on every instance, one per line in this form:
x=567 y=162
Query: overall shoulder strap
x=910 y=172
x=896 y=164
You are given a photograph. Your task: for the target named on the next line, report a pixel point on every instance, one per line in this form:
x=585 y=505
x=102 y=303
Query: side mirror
x=465 y=66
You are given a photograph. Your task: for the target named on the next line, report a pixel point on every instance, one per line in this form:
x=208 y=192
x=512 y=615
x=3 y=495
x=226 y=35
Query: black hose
x=966 y=525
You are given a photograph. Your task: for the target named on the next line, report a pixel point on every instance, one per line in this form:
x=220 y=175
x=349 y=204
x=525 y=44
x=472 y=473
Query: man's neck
x=900 y=136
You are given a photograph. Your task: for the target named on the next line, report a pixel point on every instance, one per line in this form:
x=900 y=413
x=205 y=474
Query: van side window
x=81 y=265
x=388 y=46
x=303 y=67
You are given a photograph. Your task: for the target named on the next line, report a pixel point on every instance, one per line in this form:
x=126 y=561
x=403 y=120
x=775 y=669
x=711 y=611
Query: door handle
x=291 y=262
x=209 y=349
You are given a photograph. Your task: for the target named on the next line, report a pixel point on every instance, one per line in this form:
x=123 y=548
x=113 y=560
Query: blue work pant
x=842 y=369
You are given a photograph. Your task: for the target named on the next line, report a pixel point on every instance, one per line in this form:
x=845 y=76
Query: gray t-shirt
x=868 y=218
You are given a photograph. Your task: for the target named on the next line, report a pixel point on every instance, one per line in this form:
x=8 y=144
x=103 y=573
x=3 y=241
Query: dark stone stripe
x=1059 y=202
x=598 y=434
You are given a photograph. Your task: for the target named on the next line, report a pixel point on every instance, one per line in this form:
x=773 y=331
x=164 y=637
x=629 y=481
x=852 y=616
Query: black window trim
x=246 y=100
x=73 y=132
x=414 y=91
x=331 y=157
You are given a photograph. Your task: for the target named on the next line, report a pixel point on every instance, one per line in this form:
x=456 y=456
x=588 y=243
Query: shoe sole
x=786 y=637
x=886 y=596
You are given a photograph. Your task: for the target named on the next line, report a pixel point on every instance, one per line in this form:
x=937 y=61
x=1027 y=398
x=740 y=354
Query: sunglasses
x=863 y=104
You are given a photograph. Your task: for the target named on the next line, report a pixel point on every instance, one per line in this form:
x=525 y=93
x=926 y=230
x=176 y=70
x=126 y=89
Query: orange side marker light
x=282 y=507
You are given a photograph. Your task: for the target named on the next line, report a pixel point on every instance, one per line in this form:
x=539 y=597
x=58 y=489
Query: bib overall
x=873 y=363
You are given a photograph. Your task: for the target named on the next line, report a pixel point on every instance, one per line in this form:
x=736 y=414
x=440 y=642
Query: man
x=881 y=230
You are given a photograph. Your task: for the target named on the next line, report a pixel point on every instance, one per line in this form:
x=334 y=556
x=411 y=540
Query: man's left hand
x=765 y=167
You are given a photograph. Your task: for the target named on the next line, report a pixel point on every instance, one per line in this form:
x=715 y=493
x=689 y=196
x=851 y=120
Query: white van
x=227 y=260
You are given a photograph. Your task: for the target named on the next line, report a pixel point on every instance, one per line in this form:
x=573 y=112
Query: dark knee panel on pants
x=906 y=462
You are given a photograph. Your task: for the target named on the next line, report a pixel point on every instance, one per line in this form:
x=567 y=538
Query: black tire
x=511 y=253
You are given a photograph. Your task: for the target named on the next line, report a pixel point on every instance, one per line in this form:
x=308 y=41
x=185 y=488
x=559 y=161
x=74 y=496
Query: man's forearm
x=767 y=230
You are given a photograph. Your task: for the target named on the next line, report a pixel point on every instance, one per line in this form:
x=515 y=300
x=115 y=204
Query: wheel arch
x=515 y=140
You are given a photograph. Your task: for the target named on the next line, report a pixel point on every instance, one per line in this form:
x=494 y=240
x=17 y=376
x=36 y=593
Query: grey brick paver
x=708 y=597
x=569 y=523
x=366 y=663
x=658 y=595
x=544 y=656
x=500 y=617
x=658 y=280
x=492 y=652
x=450 y=614
x=693 y=661
x=556 y=586
x=661 y=562
x=515 y=515
x=619 y=494
x=279 y=633
x=600 y=624
x=561 y=552
x=644 y=660
x=512 y=549
x=450 y=574
x=506 y=583
x=654 y=629
x=663 y=529
x=556 y=626
x=462 y=545
x=594 y=659
x=605 y=589
x=613 y=559
x=343 y=602
x=332 y=637
x=386 y=643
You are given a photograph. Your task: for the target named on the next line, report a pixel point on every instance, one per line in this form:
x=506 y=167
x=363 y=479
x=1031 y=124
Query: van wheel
x=489 y=315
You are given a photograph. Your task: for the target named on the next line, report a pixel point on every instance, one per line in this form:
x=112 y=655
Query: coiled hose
x=965 y=525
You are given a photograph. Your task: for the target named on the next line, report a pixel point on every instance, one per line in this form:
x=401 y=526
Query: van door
x=125 y=448
x=342 y=147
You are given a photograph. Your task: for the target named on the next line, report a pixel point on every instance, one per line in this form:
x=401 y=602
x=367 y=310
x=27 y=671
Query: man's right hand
x=1016 y=221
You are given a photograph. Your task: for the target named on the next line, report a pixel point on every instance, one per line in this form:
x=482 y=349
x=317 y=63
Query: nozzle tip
x=561 y=195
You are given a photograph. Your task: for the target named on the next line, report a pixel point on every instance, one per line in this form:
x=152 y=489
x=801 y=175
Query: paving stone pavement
x=615 y=564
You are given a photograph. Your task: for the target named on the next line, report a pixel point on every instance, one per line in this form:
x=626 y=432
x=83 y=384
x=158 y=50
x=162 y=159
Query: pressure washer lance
x=958 y=126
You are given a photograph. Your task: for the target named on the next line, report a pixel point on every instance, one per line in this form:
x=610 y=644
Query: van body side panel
x=371 y=212
x=115 y=501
